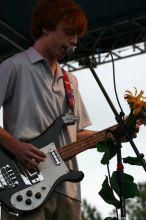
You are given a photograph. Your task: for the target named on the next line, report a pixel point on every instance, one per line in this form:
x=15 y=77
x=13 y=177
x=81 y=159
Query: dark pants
x=59 y=207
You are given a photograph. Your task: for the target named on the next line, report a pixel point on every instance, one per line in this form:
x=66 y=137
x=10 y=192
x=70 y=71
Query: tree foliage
x=89 y=212
x=136 y=208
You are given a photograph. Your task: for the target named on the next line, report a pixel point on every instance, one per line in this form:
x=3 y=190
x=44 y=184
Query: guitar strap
x=69 y=90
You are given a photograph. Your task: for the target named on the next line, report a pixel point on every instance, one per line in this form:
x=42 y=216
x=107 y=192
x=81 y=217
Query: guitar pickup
x=55 y=157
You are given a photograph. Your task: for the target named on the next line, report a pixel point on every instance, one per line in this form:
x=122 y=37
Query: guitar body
x=22 y=190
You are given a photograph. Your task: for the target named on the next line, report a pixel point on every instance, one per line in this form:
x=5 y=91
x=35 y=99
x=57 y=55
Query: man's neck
x=53 y=69
x=52 y=61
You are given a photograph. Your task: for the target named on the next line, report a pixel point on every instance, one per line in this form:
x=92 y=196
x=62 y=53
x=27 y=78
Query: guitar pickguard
x=51 y=170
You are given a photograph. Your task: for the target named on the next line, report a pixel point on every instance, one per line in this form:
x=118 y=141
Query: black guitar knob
x=29 y=193
x=38 y=195
x=19 y=198
x=28 y=201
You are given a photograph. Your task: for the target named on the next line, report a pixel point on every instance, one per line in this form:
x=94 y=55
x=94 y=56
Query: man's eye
x=70 y=32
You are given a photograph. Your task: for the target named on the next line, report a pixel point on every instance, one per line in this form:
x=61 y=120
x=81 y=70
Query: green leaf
x=109 y=149
x=130 y=188
x=131 y=122
x=132 y=161
x=107 y=194
x=100 y=146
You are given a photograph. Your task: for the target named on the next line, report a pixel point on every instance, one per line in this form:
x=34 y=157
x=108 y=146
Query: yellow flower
x=135 y=101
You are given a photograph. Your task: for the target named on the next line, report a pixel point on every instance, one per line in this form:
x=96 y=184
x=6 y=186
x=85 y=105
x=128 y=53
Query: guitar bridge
x=8 y=178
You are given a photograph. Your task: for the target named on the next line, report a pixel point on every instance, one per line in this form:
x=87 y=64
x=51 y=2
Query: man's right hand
x=28 y=154
x=25 y=152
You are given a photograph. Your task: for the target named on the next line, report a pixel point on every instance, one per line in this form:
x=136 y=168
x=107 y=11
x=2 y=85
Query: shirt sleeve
x=83 y=119
x=82 y=115
x=7 y=80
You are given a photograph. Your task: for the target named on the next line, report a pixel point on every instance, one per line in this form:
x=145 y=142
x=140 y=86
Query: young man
x=33 y=96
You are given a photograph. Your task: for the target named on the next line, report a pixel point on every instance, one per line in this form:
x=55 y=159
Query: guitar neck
x=69 y=151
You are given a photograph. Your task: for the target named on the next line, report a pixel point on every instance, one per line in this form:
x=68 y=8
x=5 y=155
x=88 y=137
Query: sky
x=130 y=73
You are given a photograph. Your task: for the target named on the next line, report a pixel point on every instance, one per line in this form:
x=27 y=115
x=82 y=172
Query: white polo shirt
x=32 y=100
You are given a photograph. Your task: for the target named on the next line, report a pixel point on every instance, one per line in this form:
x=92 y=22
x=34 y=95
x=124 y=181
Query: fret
x=71 y=150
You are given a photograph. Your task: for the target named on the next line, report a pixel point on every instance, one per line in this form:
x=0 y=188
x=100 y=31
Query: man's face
x=59 y=40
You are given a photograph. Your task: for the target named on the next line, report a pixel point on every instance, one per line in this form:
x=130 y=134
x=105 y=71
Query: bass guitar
x=23 y=190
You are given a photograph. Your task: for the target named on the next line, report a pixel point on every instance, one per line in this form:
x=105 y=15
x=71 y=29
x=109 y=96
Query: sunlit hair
x=49 y=13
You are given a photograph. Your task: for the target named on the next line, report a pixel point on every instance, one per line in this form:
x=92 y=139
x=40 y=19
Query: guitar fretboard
x=69 y=151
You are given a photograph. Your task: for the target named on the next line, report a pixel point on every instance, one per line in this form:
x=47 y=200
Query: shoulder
x=19 y=58
x=15 y=60
x=11 y=67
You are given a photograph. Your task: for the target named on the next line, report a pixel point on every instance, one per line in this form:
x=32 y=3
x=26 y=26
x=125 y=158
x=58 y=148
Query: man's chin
x=62 y=57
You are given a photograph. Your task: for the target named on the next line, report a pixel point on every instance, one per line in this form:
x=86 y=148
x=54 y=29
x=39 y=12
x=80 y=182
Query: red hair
x=49 y=13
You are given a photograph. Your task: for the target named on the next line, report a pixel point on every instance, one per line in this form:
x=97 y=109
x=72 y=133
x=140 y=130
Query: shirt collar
x=33 y=55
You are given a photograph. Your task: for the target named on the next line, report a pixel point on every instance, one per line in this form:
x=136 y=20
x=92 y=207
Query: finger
x=37 y=157
x=30 y=166
x=31 y=162
x=139 y=122
x=38 y=152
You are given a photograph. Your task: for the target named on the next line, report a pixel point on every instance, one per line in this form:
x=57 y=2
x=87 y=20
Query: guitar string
x=85 y=142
